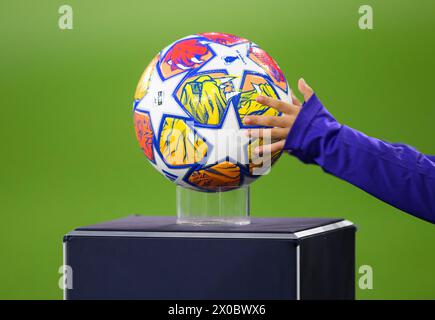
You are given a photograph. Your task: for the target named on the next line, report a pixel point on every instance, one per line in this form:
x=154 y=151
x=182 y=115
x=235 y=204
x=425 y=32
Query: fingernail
x=259 y=98
x=303 y=81
x=246 y=120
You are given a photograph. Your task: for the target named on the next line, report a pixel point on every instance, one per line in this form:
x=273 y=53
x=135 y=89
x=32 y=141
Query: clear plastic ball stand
x=202 y=208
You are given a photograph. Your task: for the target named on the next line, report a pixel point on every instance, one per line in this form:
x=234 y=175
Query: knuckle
x=268 y=121
x=276 y=104
x=286 y=119
x=281 y=104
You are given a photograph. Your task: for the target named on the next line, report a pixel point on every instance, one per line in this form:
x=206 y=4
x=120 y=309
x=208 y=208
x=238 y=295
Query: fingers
x=305 y=89
x=295 y=100
x=270 y=148
x=284 y=107
x=275 y=133
x=278 y=105
x=268 y=121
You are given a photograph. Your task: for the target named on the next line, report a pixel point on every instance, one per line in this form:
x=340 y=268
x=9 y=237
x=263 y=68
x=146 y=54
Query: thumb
x=305 y=89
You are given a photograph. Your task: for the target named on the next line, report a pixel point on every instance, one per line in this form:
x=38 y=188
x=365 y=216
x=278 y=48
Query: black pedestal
x=142 y=257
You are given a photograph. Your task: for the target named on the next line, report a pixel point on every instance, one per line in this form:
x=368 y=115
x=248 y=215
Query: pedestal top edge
x=166 y=226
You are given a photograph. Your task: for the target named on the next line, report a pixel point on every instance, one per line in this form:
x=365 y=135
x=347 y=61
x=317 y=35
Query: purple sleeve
x=395 y=173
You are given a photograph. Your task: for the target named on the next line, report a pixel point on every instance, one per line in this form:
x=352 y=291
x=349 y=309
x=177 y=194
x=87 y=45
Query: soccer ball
x=189 y=107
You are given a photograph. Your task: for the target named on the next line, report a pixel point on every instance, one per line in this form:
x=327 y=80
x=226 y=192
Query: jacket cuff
x=302 y=123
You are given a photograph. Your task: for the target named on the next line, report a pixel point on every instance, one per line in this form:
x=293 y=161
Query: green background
x=69 y=156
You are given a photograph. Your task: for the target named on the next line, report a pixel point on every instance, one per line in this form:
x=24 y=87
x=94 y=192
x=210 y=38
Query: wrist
x=302 y=123
x=311 y=132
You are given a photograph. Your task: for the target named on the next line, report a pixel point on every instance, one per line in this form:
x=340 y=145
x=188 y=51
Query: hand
x=281 y=124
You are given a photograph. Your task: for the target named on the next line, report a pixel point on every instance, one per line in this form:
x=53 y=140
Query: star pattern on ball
x=158 y=102
x=230 y=141
x=232 y=59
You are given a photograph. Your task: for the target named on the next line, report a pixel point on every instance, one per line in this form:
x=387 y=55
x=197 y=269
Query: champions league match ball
x=189 y=107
